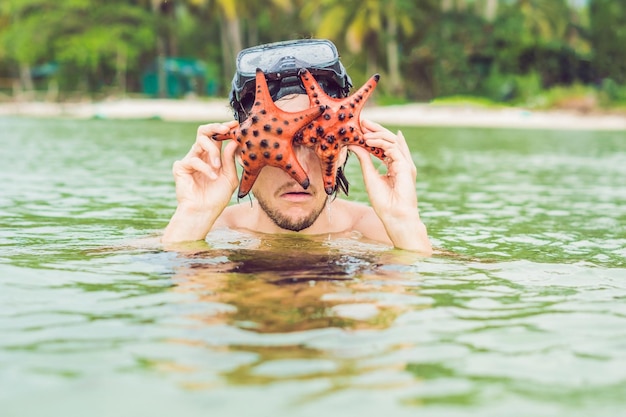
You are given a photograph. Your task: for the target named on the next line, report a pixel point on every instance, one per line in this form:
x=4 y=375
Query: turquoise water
x=522 y=312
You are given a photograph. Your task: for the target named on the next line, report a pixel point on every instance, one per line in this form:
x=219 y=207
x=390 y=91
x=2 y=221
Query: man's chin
x=294 y=224
x=293 y=217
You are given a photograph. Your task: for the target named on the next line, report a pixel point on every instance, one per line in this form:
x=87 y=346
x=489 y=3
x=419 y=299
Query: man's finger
x=229 y=167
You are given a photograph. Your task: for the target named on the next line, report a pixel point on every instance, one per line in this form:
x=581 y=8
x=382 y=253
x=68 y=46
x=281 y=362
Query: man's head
x=289 y=205
x=285 y=202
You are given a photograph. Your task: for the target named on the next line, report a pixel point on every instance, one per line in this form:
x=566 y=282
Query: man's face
x=285 y=202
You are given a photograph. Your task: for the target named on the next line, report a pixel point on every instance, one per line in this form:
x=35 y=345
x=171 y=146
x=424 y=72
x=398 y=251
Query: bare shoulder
x=235 y=216
x=364 y=220
x=352 y=209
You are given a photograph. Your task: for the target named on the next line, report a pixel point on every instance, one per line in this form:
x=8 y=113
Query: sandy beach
x=418 y=114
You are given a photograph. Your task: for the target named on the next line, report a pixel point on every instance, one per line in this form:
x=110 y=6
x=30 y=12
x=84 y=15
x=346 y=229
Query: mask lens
x=280 y=62
x=315 y=53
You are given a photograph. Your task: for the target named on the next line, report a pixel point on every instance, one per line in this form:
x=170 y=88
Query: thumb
x=367 y=166
x=229 y=168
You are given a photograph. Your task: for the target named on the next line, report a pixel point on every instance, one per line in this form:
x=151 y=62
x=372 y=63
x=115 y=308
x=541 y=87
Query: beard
x=288 y=223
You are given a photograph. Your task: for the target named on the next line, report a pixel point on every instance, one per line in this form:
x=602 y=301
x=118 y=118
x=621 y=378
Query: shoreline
x=416 y=114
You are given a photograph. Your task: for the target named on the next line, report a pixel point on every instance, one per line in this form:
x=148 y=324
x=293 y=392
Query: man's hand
x=206 y=178
x=392 y=194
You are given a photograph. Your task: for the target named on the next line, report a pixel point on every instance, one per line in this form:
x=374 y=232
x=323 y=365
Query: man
x=206 y=177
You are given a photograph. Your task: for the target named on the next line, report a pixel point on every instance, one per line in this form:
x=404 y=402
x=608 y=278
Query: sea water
x=521 y=311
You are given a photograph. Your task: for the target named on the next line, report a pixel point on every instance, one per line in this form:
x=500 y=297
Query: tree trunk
x=53 y=90
x=491 y=9
x=253 y=32
x=227 y=57
x=120 y=67
x=371 y=56
x=26 y=80
x=230 y=37
x=160 y=67
x=160 y=51
x=393 y=60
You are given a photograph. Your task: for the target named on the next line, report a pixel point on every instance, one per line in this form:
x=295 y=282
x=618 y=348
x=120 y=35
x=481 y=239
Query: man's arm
x=206 y=178
x=393 y=195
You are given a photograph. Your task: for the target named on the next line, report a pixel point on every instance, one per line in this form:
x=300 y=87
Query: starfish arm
x=249 y=175
x=338 y=127
x=329 y=173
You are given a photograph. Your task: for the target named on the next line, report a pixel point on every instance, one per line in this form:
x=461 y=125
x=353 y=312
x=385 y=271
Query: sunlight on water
x=521 y=312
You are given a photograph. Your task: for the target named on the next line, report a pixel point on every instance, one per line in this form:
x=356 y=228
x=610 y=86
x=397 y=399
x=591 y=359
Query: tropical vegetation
x=511 y=51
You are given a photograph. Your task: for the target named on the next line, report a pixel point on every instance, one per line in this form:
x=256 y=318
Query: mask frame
x=280 y=62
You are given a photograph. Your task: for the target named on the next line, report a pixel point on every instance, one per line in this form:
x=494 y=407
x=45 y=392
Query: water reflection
x=312 y=312
x=292 y=283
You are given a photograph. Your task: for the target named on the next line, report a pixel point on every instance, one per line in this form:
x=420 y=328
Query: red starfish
x=266 y=136
x=338 y=127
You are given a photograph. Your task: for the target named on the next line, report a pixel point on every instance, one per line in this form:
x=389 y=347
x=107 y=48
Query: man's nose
x=305 y=157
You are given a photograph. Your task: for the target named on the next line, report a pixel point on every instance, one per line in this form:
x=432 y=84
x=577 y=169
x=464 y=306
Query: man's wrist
x=407 y=231
x=189 y=224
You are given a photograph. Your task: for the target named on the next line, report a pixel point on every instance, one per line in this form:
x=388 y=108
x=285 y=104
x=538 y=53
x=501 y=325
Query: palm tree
x=228 y=14
x=546 y=20
x=278 y=10
x=608 y=37
x=156 y=8
x=21 y=36
x=366 y=22
x=231 y=14
x=486 y=8
x=230 y=33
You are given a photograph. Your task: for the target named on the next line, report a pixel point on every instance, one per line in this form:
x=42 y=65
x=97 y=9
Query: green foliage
x=612 y=93
x=608 y=35
x=85 y=37
x=470 y=101
x=460 y=50
x=390 y=100
x=529 y=46
x=31 y=25
x=512 y=88
x=575 y=97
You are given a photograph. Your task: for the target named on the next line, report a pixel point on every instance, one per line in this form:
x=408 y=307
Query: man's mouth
x=297 y=192
x=295 y=195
